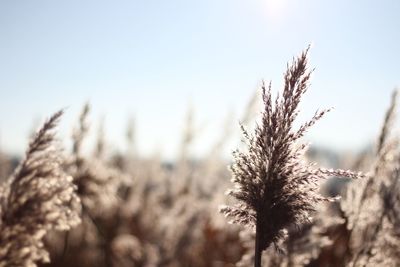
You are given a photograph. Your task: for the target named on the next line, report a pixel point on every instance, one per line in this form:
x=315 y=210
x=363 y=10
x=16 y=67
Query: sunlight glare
x=275 y=8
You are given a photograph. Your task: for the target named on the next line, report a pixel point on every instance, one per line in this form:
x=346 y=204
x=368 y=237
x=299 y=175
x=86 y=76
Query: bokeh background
x=167 y=83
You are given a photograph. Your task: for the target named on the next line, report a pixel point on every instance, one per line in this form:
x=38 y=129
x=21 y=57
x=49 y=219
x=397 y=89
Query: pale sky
x=151 y=59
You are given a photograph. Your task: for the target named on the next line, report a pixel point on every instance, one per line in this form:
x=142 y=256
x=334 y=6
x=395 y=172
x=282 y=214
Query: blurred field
x=147 y=212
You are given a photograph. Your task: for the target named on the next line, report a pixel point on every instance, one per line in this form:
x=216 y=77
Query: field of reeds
x=273 y=206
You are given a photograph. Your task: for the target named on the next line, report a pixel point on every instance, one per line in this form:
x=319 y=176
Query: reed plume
x=374 y=240
x=274 y=186
x=39 y=197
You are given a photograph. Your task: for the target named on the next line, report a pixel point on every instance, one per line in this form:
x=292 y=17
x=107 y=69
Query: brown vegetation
x=63 y=208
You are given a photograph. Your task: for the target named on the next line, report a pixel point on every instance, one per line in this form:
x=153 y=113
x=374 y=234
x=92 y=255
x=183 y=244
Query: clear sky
x=151 y=59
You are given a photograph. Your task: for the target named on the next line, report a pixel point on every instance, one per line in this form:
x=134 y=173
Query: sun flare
x=275 y=8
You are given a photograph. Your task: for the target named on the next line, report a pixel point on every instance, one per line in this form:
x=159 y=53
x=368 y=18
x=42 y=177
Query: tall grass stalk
x=274 y=185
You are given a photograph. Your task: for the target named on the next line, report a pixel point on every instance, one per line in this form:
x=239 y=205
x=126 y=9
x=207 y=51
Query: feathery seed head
x=274 y=185
x=38 y=197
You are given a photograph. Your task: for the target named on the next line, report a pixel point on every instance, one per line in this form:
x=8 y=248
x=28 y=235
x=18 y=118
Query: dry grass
x=69 y=208
x=275 y=186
